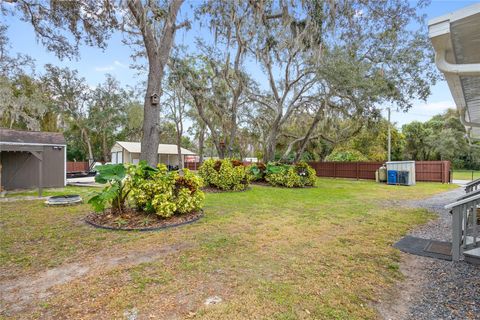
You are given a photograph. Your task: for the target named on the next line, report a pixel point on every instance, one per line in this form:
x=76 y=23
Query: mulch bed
x=261 y=183
x=132 y=220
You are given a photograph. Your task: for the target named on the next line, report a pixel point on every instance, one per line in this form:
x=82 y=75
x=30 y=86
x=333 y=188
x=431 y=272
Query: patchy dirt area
x=131 y=220
x=397 y=301
x=18 y=294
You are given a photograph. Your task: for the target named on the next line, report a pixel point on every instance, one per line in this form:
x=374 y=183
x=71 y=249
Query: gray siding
x=20 y=169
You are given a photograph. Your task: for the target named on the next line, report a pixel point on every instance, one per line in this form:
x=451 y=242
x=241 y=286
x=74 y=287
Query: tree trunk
x=220 y=151
x=151 y=117
x=271 y=142
x=201 y=112
x=233 y=134
x=106 y=151
x=86 y=138
x=270 y=146
x=306 y=138
x=179 y=148
x=201 y=142
x=158 y=53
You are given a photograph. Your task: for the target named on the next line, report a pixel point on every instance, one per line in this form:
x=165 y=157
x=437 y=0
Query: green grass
x=276 y=253
x=466 y=174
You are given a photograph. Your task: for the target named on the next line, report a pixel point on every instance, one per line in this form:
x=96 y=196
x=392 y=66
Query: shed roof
x=9 y=136
x=135 y=147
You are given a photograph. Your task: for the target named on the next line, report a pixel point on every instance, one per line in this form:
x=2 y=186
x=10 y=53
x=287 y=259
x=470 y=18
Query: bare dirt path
x=434 y=289
x=20 y=293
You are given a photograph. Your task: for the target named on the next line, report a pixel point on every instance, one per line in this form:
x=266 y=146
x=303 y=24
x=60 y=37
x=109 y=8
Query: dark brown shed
x=30 y=159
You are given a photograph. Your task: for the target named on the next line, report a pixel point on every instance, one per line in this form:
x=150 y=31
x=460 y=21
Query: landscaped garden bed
x=139 y=197
x=224 y=175
x=131 y=219
x=297 y=175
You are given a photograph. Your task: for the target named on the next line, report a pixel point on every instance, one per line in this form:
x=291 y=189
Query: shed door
x=114 y=157
x=120 y=157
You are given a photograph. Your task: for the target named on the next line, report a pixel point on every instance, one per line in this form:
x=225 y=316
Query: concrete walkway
x=83 y=182
x=461 y=182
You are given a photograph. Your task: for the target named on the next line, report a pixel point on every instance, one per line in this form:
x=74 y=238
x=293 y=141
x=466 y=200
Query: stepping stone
x=213 y=300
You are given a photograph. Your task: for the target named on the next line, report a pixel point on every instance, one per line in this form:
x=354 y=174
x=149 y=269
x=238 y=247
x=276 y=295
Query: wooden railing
x=472 y=186
x=464 y=224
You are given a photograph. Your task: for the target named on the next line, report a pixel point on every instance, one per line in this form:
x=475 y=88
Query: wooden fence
x=433 y=171
x=436 y=171
x=192 y=165
x=77 y=166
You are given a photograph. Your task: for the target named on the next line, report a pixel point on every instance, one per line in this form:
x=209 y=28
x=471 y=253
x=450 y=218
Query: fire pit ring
x=64 y=200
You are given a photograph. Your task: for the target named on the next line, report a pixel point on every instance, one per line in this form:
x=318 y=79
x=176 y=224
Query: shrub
x=226 y=174
x=291 y=176
x=346 y=155
x=115 y=192
x=153 y=190
x=167 y=192
x=307 y=173
x=257 y=171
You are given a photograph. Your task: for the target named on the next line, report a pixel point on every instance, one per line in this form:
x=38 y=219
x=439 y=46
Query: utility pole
x=389 y=137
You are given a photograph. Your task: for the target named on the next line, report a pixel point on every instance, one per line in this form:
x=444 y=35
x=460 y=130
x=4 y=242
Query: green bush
x=116 y=190
x=308 y=174
x=167 y=192
x=346 y=155
x=153 y=190
x=291 y=176
x=257 y=171
x=226 y=174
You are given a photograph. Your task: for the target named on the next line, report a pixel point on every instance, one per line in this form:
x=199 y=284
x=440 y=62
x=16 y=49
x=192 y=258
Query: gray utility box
x=405 y=171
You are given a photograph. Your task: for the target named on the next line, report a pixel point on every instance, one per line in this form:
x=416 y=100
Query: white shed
x=405 y=172
x=129 y=152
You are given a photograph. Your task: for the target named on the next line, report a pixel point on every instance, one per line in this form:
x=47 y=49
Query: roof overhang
x=165 y=149
x=456 y=40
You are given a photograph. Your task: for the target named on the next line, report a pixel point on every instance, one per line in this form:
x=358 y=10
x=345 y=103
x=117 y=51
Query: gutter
x=472 y=69
x=32 y=144
x=465 y=122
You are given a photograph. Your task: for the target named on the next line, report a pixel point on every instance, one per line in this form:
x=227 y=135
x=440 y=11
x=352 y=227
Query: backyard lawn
x=466 y=174
x=276 y=253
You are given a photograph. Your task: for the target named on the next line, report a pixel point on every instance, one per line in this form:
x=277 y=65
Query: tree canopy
x=277 y=80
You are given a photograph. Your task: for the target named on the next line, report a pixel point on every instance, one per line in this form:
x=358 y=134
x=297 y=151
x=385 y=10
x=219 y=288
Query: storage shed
x=129 y=152
x=401 y=172
x=32 y=159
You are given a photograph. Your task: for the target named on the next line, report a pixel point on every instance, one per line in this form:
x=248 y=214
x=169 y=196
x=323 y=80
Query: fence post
x=334 y=170
x=443 y=169
x=358 y=173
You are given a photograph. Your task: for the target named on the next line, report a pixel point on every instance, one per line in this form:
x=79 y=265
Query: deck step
x=469 y=240
x=472 y=256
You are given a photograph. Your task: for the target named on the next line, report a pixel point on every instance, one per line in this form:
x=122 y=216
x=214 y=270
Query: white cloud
x=116 y=64
x=420 y=111
x=119 y=64
x=435 y=107
x=105 y=68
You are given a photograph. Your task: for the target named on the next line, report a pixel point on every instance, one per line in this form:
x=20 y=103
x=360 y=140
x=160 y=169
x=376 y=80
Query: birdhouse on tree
x=154 y=98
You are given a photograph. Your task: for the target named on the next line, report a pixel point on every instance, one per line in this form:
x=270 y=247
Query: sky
x=94 y=63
